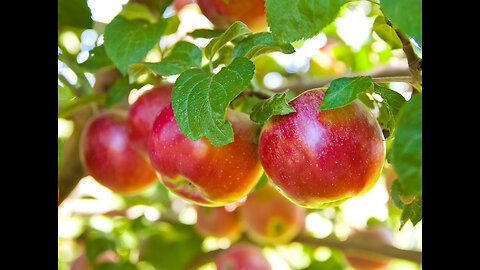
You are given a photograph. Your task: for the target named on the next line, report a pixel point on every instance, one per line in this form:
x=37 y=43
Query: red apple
x=242 y=257
x=222 y=14
x=320 y=158
x=363 y=260
x=179 y=4
x=218 y=222
x=143 y=112
x=200 y=172
x=270 y=218
x=108 y=157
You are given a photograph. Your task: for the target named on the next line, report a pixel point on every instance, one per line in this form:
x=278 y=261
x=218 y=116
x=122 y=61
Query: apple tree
x=239 y=134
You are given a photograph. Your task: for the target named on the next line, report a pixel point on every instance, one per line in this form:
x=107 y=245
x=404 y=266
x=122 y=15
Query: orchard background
x=110 y=52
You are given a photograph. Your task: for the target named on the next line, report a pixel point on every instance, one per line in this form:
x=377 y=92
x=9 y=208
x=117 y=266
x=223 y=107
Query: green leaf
x=275 y=105
x=74 y=13
x=118 y=91
x=97 y=243
x=393 y=101
x=116 y=266
x=260 y=43
x=412 y=212
x=396 y=193
x=134 y=11
x=386 y=32
x=172 y=247
x=292 y=20
x=406 y=151
x=236 y=30
x=344 y=90
x=224 y=57
x=183 y=55
x=172 y=24
x=200 y=99
x=97 y=59
x=205 y=33
x=128 y=42
x=407 y=15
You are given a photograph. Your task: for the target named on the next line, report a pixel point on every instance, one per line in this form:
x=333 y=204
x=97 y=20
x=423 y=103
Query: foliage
x=218 y=68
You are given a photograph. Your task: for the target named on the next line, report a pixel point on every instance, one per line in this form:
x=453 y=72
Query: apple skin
x=242 y=257
x=179 y=4
x=222 y=15
x=321 y=158
x=270 y=218
x=218 y=222
x=142 y=114
x=200 y=172
x=108 y=157
x=363 y=260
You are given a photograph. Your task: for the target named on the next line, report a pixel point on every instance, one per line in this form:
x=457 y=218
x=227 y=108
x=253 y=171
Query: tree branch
x=370 y=245
x=390 y=70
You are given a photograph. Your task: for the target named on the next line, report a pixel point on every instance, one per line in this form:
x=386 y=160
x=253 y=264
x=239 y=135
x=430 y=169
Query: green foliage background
x=236 y=59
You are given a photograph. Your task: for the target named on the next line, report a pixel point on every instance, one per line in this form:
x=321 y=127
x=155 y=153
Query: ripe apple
x=108 y=157
x=363 y=260
x=179 y=4
x=200 y=172
x=242 y=257
x=270 y=218
x=218 y=222
x=320 y=158
x=222 y=14
x=143 y=112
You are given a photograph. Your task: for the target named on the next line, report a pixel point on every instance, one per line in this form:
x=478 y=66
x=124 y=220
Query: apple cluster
x=314 y=158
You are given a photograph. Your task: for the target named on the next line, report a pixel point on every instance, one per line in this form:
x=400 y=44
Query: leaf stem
x=84 y=83
x=80 y=102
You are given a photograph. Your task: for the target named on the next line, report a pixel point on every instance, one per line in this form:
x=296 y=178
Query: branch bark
x=389 y=70
x=370 y=246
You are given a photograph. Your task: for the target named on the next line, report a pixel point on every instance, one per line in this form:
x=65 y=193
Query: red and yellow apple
x=200 y=172
x=108 y=157
x=320 y=158
x=218 y=222
x=270 y=218
x=242 y=257
x=143 y=112
x=363 y=260
x=223 y=13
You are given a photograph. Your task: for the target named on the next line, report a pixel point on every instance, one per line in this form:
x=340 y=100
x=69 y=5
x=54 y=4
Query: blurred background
x=157 y=230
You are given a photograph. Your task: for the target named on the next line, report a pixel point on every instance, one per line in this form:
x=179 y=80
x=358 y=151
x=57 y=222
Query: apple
x=242 y=257
x=108 y=157
x=218 y=222
x=223 y=14
x=143 y=112
x=270 y=218
x=200 y=172
x=179 y=4
x=363 y=260
x=321 y=158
